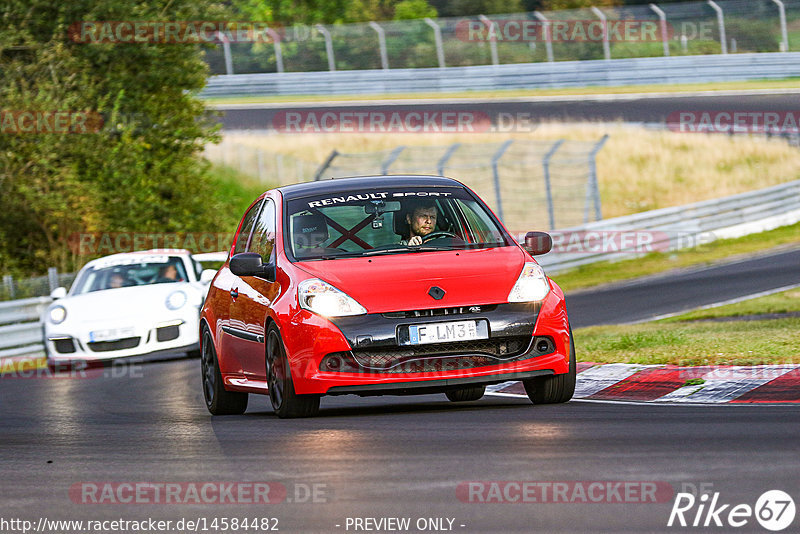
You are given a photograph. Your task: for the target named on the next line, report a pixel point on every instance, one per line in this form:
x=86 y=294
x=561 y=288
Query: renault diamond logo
x=436 y=292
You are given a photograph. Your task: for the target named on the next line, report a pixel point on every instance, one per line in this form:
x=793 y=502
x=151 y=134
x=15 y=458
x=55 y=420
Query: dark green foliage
x=141 y=171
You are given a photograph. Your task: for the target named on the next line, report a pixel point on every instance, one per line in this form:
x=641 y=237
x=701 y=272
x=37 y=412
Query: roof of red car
x=346 y=184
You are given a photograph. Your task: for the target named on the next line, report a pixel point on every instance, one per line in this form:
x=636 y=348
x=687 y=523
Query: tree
x=136 y=168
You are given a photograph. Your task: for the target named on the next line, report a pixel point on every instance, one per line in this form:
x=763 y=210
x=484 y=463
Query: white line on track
x=718 y=304
x=598 y=97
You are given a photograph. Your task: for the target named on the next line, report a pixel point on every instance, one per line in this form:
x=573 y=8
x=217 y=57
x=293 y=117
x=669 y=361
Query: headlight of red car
x=322 y=298
x=532 y=284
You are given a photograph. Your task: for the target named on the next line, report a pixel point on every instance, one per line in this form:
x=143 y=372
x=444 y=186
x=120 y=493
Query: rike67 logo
x=774 y=510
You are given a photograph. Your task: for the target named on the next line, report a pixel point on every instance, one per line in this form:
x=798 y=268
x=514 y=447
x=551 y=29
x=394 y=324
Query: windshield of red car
x=376 y=221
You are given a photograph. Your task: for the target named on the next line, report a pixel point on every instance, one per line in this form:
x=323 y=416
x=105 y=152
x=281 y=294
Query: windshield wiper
x=403 y=248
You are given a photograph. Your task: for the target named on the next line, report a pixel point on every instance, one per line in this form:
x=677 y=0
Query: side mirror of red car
x=251 y=264
x=537 y=243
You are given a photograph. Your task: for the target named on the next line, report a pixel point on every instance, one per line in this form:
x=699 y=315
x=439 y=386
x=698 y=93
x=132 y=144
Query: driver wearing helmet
x=421 y=222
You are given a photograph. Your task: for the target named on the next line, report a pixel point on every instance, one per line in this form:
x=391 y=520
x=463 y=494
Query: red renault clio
x=380 y=285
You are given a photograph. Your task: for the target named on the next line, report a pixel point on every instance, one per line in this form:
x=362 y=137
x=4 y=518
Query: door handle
x=235 y=293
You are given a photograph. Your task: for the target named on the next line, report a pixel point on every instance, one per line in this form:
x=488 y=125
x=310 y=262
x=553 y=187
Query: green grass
x=791 y=83
x=684 y=340
x=657 y=262
x=234 y=191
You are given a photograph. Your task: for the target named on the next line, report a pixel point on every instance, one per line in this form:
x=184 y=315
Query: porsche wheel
x=466 y=394
x=285 y=402
x=553 y=389
x=219 y=401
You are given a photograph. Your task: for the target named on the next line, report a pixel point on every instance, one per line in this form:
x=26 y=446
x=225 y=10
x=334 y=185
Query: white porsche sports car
x=130 y=304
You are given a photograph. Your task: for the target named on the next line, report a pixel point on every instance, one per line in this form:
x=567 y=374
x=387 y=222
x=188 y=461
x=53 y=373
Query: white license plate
x=444 y=332
x=112 y=334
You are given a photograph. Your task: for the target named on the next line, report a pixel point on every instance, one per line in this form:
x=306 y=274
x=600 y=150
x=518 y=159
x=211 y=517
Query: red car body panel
x=381 y=284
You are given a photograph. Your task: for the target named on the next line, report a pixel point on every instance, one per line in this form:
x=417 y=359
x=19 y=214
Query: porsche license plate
x=446 y=332
x=112 y=334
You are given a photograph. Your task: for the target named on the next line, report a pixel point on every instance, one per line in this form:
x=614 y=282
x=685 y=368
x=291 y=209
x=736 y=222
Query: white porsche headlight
x=176 y=300
x=532 y=284
x=57 y=314
x=324 y=299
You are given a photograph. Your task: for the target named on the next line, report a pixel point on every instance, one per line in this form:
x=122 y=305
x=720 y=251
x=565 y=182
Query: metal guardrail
x=613 y=72
x=21 y=331
x=688 y=225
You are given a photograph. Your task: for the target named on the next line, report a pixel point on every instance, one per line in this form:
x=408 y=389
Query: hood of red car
x=396 y=282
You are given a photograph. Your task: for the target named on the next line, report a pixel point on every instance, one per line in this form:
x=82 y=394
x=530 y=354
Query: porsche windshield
x=127 y=272
x=388 y=221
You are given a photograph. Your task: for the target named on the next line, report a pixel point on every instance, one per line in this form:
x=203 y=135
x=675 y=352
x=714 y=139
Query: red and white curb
x=675 y=384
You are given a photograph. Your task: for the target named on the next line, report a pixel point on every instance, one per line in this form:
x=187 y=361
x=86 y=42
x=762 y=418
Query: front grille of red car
x=120 y=344
x=437 y=357
x=437 y=312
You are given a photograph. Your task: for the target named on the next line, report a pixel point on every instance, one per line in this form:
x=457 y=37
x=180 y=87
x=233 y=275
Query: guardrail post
x=8 y=281
x=662 y=17
x=393 y=155
x=276 y=39
x=446 y=157
x=381 y=43
x=496 y=175
x=606 y=48
x=592 y=187
x=548 y=35
x=325 y=165
x=52 y=278
x=490 y=27
x=721 y=23
x=437 y=37
x=328 y=46
x=551 y=217
x=226 y=51
x=784 y=32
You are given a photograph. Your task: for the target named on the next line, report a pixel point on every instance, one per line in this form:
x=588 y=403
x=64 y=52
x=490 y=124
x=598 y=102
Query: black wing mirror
x=537 y=243
x=251 y=264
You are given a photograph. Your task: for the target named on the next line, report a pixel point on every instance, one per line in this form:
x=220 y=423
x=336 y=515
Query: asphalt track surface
x=647 y=108
x=398 y=456
x=380 y=457
x=671 y=293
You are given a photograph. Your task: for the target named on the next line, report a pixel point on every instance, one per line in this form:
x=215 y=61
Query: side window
x=263 y=240
x=243 y=236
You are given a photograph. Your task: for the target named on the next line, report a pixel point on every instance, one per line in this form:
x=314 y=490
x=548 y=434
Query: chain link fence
x=529 y=184
x=686 y=28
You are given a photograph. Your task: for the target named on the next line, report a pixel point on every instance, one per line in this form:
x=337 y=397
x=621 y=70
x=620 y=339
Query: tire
x=219 y=401
x=471 y=393
x=285 y=402
x=553 y=389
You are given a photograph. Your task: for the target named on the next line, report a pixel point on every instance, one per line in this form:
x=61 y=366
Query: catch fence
x=668 y=29
x=530 y=184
